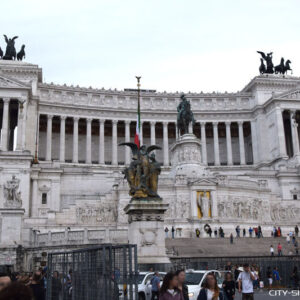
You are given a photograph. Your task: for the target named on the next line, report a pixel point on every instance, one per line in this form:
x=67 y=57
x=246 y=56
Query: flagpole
x=139 y=104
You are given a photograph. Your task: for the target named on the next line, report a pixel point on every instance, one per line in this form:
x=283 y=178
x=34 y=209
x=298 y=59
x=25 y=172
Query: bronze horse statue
x=185 y=115
x=282 y=68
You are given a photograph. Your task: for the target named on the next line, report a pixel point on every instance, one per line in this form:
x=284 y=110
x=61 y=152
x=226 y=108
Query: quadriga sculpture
x=142 y=173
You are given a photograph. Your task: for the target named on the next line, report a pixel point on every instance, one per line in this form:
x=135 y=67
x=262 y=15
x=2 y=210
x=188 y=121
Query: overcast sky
x=175 y=45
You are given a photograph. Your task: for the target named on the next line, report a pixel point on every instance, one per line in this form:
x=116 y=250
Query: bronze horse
x=185 y=116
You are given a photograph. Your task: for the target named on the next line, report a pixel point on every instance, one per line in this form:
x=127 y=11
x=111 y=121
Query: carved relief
x=281 y=213
x=11 y=194
x=148 y=237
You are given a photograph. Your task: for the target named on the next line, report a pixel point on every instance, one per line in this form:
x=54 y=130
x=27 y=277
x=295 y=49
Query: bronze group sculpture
x=282 y=68
x=185 y=115
x=10 y=52
x=142 y=173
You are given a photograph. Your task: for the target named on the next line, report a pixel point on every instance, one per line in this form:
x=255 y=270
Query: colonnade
x=114 y=141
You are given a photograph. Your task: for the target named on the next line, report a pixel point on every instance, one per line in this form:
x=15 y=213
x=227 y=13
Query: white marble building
x=61 y=180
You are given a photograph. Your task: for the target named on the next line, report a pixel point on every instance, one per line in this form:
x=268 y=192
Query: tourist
x=228 y=266
x=279 y=232
x=209 y=231
x=276 y=277
x=293 y=240
x=231 y=238
x=260 y=235
x=295 y=278
x=272 y=250
x=279 y=249
x=244 y=232
x=237 y=230
x=16 y=291
x=197 y=232
x=229 y=286
x=216 y=232
x=173 y=232
x=296 y=230
x=56 y=285
x=274 y=232
x=250 y=231
x=269 y=276
x=221 y=232
x=210 y=289
x=236 y=273
x=245 y=280
x=181 y=285
x=169 y=289
x=256 y=231
x=288 y=239
x=167 y=232
x=155 y=286
x=4 y=280
x=36 y=286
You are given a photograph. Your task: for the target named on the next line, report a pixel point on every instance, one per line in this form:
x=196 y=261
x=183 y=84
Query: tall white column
x=176 y=128
x=101 y=142
x=141 y=134
x=5 y=124
x=88 y=157
x=35 y=204
x=20 y=125
x=216 y=144
x=166 y=143
x=214 y=204
x=203 y=143
x=75 y=139
x=62 y=138
x=49 y=137
x=114 y=142
x=242 y=143
x=254 y=142
x=153 y=138
x=127 y=140
x=294 y=129
x=280 y=132
x=228 y=144
x=191 y=128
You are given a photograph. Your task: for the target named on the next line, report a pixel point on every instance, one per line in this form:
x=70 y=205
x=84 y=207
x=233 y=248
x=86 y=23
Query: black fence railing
x=99 y=273
x=284 y=264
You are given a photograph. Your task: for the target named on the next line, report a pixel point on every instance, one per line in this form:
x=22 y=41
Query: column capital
x=227 y=123
x=76 y=119
x=6 y=100
x=63 y=117
x=101 y=121
x=49 y=117
x=89 y=120
x=215 y=123
x=202 y=123
x=152 y=123
x=114 y=122
x=127 y=122
x=165 y=123
x=240 y=123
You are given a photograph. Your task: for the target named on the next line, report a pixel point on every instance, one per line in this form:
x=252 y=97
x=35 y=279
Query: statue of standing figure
x=11 y=193
x=268 y=58
x=185 y=115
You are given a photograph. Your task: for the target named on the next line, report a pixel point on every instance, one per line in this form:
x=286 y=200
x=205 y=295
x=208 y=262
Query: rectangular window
x=44 y=198
x=295 y=197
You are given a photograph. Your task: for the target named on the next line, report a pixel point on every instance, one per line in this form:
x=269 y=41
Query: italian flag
x=138 y=126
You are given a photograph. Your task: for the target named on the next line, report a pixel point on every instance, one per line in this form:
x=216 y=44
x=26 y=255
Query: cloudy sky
x=175 y=45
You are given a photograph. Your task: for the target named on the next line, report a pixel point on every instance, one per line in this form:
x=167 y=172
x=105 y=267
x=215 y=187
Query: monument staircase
x=221 y=247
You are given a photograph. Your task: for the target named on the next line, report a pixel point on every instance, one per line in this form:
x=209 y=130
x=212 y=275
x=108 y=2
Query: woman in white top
x=210 y=290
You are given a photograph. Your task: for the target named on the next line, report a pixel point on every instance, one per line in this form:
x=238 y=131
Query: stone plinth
x=146 y=230
x=11 y=226
x=186 y=156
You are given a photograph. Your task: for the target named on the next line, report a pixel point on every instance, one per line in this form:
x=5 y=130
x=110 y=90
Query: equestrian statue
x=185 y=115
x=143 y=171
x=10 y=52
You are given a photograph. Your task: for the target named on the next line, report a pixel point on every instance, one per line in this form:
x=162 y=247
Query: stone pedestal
x=11 y=226
x=146 y=230
x=186 y=157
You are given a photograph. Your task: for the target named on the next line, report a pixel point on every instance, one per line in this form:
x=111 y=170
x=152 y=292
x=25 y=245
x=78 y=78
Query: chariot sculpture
x=10 y=52
x=143 y=171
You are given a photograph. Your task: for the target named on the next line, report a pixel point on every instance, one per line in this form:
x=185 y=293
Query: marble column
x=5 y=124
x=254 y=141
x=114 y=142
x=101 y=142
x=228 y=144
x=166 y=143
x=35 y=202
x=49 y=138
x=88 y=157
x=214 y=204
x=127 y=140
x=216 y=144
x=241 y=143
x=62 y=138
x=75 y=139
x=176 y=133
x=203 y=143
x=294 y=130
x=19 y=145
x=280 y=132
x=153 y=138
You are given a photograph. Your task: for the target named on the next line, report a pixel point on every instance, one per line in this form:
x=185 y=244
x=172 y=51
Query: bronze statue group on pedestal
x=10 y=52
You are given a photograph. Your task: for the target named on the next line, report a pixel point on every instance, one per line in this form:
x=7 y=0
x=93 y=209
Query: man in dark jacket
x=36 y=286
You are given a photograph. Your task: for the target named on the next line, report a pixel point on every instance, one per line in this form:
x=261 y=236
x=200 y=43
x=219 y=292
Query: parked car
x=195 y=278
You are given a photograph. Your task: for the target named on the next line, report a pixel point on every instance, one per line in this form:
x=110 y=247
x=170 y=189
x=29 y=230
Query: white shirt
x=209 y=294
x=247 y=283
x=271 y=249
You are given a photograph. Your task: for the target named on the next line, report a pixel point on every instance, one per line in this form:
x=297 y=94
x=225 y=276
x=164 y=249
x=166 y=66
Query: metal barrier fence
x=285 y=265
x=104 y=272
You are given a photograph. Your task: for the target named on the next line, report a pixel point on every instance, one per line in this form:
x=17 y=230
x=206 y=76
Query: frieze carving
x=284 y=213
x=145 y=217
x=148 y=237
x=11 y=194
x=106 y=213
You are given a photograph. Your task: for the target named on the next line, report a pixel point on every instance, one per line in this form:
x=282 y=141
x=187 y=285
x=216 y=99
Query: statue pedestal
x=11 y=226
x=146 y=229
x=186 y=158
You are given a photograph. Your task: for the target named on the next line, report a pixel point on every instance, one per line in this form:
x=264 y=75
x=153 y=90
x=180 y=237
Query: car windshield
x=193 y=278
x=140 y=278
